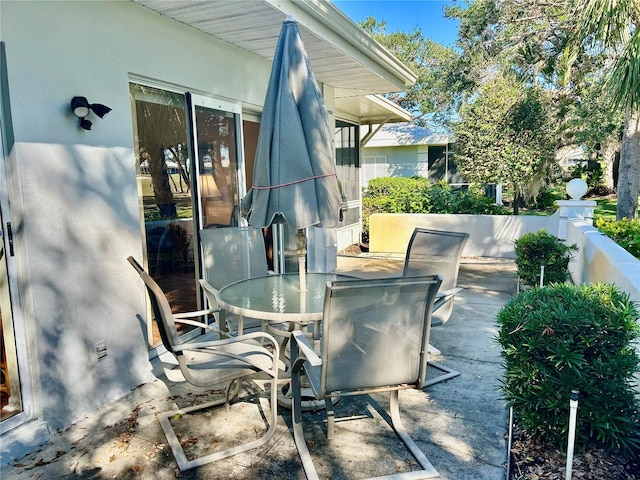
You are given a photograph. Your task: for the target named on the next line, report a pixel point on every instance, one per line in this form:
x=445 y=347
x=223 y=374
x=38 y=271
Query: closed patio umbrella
x=294 y=178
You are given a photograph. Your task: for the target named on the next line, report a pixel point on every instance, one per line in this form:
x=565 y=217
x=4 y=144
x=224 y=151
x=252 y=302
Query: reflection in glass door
x=187 y=168
x=165 y=191
x=217 y=154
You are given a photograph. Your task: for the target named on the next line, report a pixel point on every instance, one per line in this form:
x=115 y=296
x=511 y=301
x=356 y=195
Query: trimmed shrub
x=624 y=232
x=542 y=248
x=563 y=337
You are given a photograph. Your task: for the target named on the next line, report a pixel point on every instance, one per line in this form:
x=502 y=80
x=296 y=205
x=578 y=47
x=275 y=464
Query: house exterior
x=407 y=150
x=185 y=82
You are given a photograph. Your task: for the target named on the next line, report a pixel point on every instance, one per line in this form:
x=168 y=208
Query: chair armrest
x=305 y=348
x=194 y=323
x=226 y=341
x=444 y=297
x=211 y=293
x=197 y=313
x=306 y=359
x=214 y=346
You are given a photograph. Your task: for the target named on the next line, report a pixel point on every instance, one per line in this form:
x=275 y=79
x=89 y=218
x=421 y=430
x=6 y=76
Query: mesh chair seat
x=375 y=337
x=211 y=363
x=432 y=252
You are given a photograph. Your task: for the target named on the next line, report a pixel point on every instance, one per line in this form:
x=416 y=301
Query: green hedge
x=419 y=195
x=563 y=337
x=541 y=248
x=625 y=233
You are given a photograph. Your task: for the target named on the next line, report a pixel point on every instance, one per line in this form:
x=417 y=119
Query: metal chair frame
x=231 y=254
x=361 y=320
x=213 y=362
x=437 y=251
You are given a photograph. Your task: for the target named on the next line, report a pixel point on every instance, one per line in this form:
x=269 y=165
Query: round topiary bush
x=563 y=337
x=542 y=248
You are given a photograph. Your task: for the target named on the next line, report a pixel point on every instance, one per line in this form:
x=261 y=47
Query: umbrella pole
x=278 y=247
x=301 y=251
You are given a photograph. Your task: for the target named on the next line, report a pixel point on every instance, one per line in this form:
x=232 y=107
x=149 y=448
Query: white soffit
x=370 y=109
x=340 y=52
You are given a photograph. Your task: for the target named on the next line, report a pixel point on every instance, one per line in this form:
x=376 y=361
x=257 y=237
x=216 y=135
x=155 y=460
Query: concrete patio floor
x=460 y=424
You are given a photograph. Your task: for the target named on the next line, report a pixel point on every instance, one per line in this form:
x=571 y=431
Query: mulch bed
x=534 y=460
x=355 y=250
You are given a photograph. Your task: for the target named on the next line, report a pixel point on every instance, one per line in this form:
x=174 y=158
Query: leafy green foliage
x=563 y=337
x=430 y=61
x=505 y=136
x=625 y=233
x=542 y=248
x=419 y=195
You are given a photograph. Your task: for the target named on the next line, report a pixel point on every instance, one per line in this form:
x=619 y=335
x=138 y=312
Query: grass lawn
x=606 y=208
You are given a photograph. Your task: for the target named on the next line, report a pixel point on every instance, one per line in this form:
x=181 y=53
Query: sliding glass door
x=187 y=169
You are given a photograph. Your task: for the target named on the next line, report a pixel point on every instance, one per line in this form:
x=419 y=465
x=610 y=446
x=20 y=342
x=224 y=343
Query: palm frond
x=624 y=81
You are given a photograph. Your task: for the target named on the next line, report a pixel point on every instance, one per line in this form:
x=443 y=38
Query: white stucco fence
x=602 y=260
x=489 y=235
x=599 y=258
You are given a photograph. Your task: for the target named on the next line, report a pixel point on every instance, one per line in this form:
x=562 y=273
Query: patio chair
x=375 y=335
x=231 y=254
x=437 y=252
x=213 y=362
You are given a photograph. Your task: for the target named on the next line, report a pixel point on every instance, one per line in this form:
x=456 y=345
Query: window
x=347 y=142
x=373 y=167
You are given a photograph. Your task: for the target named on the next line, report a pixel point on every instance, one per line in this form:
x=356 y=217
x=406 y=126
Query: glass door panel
x=217 y=154
x=165 y=191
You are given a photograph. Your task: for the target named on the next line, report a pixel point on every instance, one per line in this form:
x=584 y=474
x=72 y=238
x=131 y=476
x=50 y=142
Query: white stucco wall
x=489 y=235
x=600 y=259
x=73 y=192
x=116 y=39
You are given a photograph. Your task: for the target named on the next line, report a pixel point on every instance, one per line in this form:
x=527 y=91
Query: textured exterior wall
x=600 y=259
x=489 y=235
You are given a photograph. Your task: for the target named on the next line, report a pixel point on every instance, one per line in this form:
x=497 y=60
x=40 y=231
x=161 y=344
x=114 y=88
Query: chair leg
x=449 y=374
x=331 y=414
x=178 y=452
x=394 y=411
x=296 y=420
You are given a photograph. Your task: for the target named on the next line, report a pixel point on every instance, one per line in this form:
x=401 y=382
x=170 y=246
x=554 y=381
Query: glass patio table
x=278 y=301
x=277 y=298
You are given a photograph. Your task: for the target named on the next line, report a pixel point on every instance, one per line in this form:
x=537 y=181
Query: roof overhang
x=342 y=55
x=370 y=109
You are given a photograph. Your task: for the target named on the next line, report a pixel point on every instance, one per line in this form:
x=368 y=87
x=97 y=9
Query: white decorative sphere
x=576 y=188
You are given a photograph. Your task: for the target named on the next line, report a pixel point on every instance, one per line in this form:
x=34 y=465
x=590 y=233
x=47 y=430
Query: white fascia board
x=323 y=18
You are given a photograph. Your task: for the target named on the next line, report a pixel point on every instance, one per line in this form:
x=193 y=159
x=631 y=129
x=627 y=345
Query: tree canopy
x=583 y=55
x=505 y=136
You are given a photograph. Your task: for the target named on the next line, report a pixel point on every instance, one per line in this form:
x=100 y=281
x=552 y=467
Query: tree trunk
x=629 y=173
x=609 y=156
x=516 y=200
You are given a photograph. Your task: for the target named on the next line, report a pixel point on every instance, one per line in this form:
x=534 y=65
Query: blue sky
x=405 y=15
